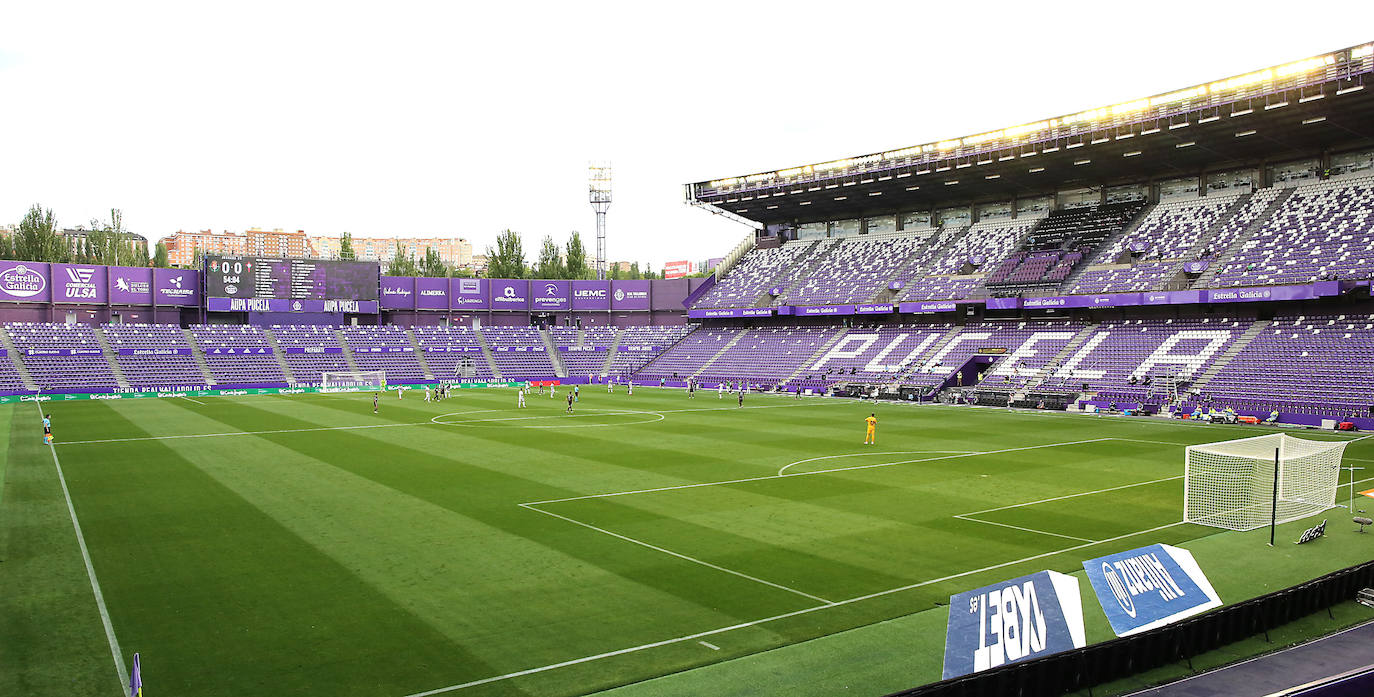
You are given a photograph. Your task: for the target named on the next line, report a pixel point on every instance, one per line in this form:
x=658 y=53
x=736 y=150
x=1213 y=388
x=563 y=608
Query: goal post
x=353 y=381
x=1232 y=484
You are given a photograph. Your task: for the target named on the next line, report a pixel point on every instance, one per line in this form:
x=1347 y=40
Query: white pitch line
x=365 y=426
x=678 y=555
x=1071 y=496
x=804 y=474
x=1018 y=527
x=709 y=645
x=895 y=452
x=242 y=433
x=115 y=653
x=752 y=623
x=197 y=401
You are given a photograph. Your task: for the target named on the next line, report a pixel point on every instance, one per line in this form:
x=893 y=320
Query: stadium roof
x=1293 y=111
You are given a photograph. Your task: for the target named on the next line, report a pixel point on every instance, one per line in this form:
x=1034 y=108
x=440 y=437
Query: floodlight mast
x=599 y=195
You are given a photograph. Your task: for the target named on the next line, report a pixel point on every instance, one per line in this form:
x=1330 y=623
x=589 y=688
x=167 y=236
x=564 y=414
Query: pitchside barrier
x=153 y=394
x=1078 y=669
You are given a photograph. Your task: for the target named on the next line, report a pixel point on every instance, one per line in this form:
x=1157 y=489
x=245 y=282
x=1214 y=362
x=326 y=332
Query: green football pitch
x=301 y=545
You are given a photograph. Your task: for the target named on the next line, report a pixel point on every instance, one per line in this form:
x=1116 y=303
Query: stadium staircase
x=19 y=367
x=281 y=358
x=821 y=351
x=347 y=350
x=1222 y=256
x=925 y=357
x=1176 y=279
x=610 y=354
x=884 y=295
x=824 y=251
x=1059 y=358
x=420 y=356
x=805 y=259
x=723 y=350
x=1230 y=353
x=745 y=246
x=486 y=354
x=1072 y=279
x=199 y=356
x=559 y=369
x=111 y=357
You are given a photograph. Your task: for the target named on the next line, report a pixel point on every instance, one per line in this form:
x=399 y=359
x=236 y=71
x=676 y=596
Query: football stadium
x=1075 y=406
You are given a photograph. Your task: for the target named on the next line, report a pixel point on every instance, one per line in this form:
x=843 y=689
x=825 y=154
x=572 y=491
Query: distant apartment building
x=454 y=251
x=182 y=246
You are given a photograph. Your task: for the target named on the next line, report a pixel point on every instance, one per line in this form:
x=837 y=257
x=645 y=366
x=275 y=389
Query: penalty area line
x=1018 y=527
x=753 y=623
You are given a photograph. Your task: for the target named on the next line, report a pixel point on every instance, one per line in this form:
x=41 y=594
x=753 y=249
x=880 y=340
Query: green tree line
x=38 y=238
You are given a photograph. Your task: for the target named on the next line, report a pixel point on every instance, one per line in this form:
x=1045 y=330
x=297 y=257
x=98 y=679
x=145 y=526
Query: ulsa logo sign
x=79 y=284
x=22 y=282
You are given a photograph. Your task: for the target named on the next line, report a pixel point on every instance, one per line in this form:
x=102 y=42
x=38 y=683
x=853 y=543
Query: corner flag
x=136 y=679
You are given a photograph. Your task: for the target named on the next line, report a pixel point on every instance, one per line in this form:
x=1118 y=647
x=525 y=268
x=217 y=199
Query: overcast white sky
x=444 y=118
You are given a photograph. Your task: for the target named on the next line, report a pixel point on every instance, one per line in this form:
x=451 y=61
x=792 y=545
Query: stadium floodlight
x=1248 y=483
x=353 y=381
x=599 y=195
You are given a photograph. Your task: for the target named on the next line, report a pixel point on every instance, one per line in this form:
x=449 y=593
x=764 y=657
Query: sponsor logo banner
x=237 y=351
x=550 y=296
x=1149 y=587
x=731 y=312
x=431 y=293
x=130 y=285
x=313 y=349
x=1011 y=621
x=453 y=349
x=79 y=283
x=176 y=287
x=63 y=352
x=155 y=352
x=468 y=293
x=398 y=292
x=518 y=349
x=1242 y=295
x=875 y=309
x=629 y=295
x=812 y=310
x=591 y=295
x=24 y=281
x=930 y=306
x=385 y=349
x=509 y=294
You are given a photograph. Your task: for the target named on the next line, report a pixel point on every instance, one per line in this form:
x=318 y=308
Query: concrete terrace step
x=199 y=356
x=111 y=357
x=281 y=358
x=19 y=367
x=486 y=353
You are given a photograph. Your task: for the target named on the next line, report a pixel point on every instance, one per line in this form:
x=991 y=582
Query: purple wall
x=398 y=293
x=669 y=294
x=130 y=285
x=24 y=281
x=431 y=294
x=468 y=293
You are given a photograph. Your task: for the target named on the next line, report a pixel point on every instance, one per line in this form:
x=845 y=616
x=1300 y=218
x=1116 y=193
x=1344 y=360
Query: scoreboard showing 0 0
x=267 y=277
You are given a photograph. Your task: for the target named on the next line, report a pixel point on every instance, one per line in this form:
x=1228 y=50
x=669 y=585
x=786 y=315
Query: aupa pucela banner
x=1011 y=621
x=1149 y=587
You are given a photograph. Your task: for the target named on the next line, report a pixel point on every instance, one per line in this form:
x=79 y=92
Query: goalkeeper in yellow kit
x=872 y=421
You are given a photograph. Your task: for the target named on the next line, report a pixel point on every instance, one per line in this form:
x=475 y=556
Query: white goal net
x=1231 y=484
x=353 y=381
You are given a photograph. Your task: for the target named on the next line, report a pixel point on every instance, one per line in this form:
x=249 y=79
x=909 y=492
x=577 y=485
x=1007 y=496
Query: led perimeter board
x=290 y=279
